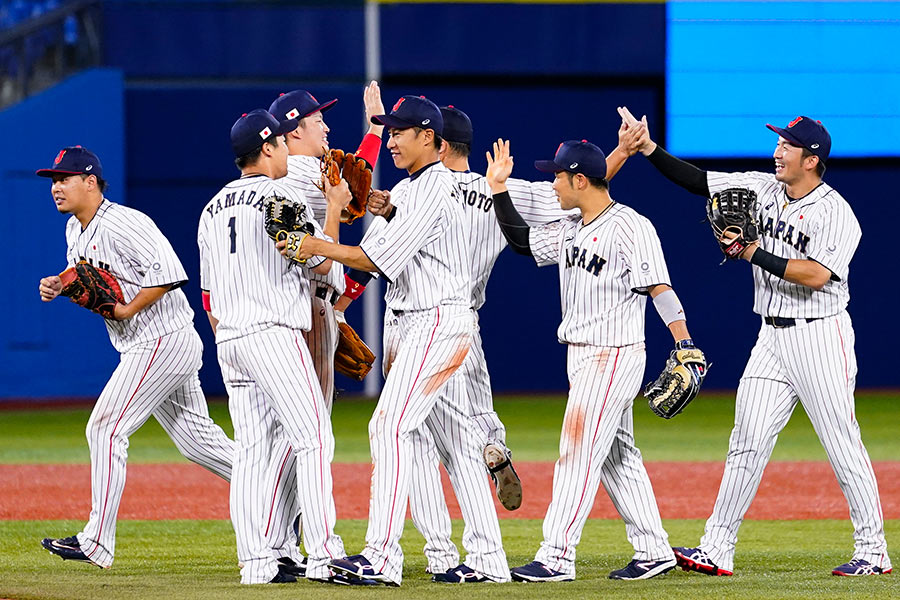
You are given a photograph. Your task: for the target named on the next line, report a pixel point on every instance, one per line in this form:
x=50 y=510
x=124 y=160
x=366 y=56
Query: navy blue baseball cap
x=576 y=157
x=74 y=160
x=807 y=133
x=250 y=131
x=295 y=105
x=457 y=125
x=413 y=111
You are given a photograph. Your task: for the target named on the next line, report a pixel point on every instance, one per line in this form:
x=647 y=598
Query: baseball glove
x=352 y=358
x=679 y=382
x=286 y=220
x=91 y=287
x=336 y=164
x=734 y=211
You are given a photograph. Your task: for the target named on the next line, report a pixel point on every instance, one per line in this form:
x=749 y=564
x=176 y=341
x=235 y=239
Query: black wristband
x=769 y=262
x=392 y=214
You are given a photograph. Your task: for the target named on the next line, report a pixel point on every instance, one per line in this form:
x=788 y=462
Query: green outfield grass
x=196 y=559
x=533 y=424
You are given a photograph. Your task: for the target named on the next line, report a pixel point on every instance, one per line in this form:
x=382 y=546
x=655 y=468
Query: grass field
x=196 y=559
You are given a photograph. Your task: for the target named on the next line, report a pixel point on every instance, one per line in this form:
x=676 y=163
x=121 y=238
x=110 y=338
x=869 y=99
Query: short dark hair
x=438 y=140
x=242 y=162
x=820 y=166
x=460 y=148
x=101 y=183
x=598 y=182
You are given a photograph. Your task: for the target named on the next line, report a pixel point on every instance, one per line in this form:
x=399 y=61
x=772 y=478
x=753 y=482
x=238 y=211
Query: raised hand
x=500 y=166
x=645 y=144
x=373 y=104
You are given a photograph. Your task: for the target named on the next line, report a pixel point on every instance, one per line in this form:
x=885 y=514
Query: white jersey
x=536 y=202
x=251 y=286
x=423 y=251
x=303 y=174
x=128 y=244
x=820 y=226
x=605 y=268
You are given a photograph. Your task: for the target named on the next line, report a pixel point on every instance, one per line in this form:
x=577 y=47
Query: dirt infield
x=789 y=490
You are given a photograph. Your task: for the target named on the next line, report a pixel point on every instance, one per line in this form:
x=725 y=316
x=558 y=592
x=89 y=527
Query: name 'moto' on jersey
x=128 y=244
x=251 y=286
x=303 y=174
x=423 y=251
x=605 y=269
x=820 y=226
x=536 y=202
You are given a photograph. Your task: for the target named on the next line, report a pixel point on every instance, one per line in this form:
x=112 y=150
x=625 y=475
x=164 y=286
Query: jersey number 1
x=232 y=235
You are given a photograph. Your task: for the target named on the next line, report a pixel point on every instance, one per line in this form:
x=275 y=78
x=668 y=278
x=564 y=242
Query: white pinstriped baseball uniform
x=813 y=363
x=261 y=301
x=606 y=267
x=157 y=374
x=538 y=204
x=423 y=254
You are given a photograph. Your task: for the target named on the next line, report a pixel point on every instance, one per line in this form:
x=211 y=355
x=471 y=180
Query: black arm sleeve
x=691 y=178
x=513 y=226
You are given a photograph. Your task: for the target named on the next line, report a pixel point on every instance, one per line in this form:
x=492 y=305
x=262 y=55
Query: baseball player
x=610 y=260
x=306 y=143
x=154 y=333
x=259 y=305
x=804 y=352
x=423 y=252
x=537 y=201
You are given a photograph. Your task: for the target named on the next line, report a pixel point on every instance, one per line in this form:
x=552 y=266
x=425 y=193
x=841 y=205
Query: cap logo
x=292 y=114
x=265 y=133
x=794 y=122
x=397 y=105
x=89 y=167
x=814 y=146
x=59 y=157
x=574 y=165
x=426 y=121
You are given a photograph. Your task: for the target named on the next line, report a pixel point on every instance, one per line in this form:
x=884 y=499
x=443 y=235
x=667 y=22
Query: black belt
x=784 y=322
x=322 y=293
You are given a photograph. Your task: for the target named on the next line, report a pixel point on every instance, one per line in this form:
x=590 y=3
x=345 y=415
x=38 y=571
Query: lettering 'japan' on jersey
x=303 y=174
x=423 y=251
x=605 y=268
x=251 y=286
x=128 y=244
x=535 y=201
x=820 y=226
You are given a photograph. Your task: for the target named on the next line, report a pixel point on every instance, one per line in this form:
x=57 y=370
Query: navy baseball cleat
x=358 y=566
x=643 y=569
x=459 y=574
x=695 y=559
x=506 y=480
x=288 y=566
x=341 y=579
x=537 y=571
x=282 y=577
x=67 y=548
x=859 y=567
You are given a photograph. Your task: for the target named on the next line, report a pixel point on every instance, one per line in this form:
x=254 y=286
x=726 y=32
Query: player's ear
x=445 y=148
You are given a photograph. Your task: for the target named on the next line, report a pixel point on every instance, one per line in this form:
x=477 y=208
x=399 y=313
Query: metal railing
x=41 y=51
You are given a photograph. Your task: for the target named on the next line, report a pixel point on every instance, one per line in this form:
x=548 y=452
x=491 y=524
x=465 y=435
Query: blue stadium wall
x=535 y=73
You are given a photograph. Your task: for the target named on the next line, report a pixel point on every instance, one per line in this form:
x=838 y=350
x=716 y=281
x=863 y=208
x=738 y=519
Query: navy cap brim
x=52 y=172
x=786 y=135
x=547 y=166
x=392 y=121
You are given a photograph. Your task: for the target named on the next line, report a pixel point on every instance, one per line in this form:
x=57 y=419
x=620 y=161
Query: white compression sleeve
x=669 y=307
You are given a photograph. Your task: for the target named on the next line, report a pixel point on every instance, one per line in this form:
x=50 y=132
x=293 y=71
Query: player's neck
x=86 y=214
x=423 y=160
x=594 y=204
x=801 y=188
x=456 y=163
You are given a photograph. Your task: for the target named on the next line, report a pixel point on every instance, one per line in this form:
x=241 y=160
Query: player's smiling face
x=314 y=132
x=565 y=190
x=788 y=161
x=70 y=192
x=406 y=147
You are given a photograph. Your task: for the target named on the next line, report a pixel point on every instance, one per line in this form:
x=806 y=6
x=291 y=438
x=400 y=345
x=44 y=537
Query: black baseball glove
x=94 y=288
x=679 y=382
x=283 y=217
x=734 y=211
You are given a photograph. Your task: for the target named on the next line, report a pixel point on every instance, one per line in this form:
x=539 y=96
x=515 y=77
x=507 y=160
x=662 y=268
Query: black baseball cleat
x=282 y=577
x=288 y=566
x=67 y=549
